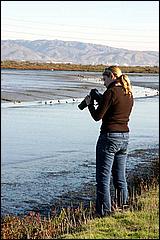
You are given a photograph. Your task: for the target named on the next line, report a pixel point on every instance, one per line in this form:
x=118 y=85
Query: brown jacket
x=114 y=109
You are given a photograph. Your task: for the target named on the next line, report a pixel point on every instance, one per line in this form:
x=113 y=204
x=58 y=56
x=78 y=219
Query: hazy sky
x=132 y=25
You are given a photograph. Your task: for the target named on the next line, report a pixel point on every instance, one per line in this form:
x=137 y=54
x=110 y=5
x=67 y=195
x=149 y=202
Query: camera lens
x=82 y=105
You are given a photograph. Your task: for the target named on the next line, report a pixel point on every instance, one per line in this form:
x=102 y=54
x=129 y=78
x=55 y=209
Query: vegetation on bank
x=27 y=65
x=140 y=220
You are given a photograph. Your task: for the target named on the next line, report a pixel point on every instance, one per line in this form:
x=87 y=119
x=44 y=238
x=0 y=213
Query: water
x=48 y=150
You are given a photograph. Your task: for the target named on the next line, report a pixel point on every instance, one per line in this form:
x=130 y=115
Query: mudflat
x=77 y=87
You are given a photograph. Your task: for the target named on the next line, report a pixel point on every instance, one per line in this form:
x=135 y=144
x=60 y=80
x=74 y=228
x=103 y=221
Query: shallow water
x=48 y=150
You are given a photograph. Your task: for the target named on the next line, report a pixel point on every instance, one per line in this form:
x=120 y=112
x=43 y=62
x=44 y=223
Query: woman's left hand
x=88 y=99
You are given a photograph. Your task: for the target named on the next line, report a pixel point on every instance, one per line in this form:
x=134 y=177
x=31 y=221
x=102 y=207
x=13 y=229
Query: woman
x=111 y=150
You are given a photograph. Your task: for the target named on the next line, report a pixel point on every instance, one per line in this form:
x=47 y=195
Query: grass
x=140 y=221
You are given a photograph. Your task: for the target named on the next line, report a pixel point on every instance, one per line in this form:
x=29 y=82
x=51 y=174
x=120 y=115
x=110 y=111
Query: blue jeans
x=111 y=154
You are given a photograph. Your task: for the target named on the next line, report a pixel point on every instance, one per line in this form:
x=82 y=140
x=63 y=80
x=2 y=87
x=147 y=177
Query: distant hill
x=74 y=52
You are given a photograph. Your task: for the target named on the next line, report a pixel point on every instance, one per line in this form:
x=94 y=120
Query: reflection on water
x=50 y=149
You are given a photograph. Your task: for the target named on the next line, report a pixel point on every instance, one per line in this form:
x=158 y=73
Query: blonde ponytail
x=122 y=78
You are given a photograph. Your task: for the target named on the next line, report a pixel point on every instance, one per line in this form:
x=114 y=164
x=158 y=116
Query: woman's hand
x=88 y=99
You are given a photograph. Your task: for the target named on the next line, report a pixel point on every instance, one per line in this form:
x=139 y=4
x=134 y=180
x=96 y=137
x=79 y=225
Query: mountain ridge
x=74 y=52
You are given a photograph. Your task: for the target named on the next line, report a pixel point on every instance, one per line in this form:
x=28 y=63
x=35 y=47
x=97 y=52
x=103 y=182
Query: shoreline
x=146 y=171
x=87 y=193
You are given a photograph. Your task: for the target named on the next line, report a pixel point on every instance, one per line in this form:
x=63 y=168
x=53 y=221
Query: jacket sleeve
x=106 y=102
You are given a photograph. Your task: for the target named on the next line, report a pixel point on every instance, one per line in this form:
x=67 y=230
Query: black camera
x=95 y=95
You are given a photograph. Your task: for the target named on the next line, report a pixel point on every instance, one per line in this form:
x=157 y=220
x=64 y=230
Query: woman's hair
x=122 y=78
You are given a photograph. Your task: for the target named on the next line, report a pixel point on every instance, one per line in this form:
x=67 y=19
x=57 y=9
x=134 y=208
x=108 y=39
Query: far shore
x=31 y=65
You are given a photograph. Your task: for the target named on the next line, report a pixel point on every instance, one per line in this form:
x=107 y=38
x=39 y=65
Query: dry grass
x=74 y=67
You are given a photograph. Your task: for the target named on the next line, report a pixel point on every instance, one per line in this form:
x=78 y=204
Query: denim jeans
x=111 y=154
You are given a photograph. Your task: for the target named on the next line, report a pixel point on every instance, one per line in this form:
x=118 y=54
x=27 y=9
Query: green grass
x=141 y=221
